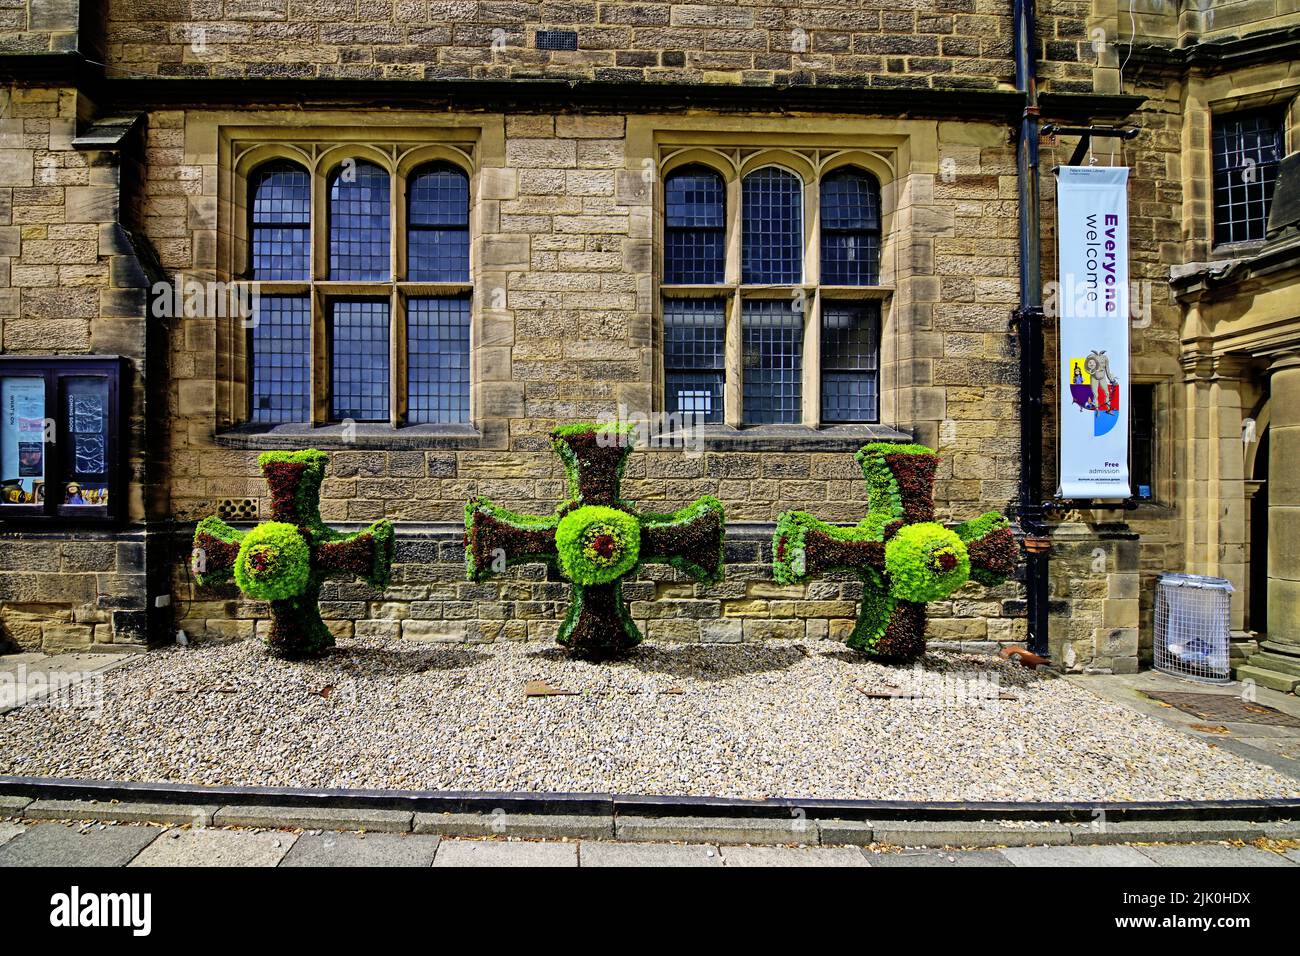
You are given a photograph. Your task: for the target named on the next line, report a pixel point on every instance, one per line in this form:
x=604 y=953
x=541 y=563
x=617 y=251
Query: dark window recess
x=438 y=225
x=850 y=225
x=281 y=358
x=358 y=222
x=694 y=227
x=1247 y=151
x=280 y=211
x=771 y=227
x=694 y=358
x=1142 y=446
x=850 y=362
x=556 y=39
x=437 y=357
x=773 y=375
x=359 y=360
x=60 y=428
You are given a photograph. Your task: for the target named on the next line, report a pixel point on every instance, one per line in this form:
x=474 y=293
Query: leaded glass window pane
x=850 y=361
x=773 y=347
x=281 y=350
x=358 y=223
x=280 y=197
x=772 y=227
x=1247 y=152
x=359 y=359
x=694 y=358
x=438 y=225
x=850 y=228
x=437 y=359
x=695 y=227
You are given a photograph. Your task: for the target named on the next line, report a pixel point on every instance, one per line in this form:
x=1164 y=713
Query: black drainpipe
x=1029 y=327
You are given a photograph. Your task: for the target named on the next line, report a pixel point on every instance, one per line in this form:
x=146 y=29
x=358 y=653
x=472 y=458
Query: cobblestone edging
x=639 y=820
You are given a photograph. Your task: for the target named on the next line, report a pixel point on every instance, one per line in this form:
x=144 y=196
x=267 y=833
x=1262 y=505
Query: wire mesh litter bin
x=1192 y=627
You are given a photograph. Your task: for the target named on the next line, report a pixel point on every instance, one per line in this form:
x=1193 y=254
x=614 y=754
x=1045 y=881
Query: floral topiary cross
x=595 y=539
x=903 y=555
x=284 y=560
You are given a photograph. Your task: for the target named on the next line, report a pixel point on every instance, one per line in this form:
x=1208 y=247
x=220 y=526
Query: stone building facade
x=135 y=130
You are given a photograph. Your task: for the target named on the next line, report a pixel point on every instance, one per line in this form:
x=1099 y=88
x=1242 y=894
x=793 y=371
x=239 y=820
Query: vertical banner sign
x=1092 y=239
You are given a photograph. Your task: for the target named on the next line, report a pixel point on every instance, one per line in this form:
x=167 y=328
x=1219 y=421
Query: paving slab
x=505 y=853
x=649 y=854
x=974 y=834
x=1074 y=856
x=1293 y=856
x=58 y=844
x=216 y=848
x=10 y=830
x=362 y=849
x=938 y=858
x=728 y=830
x=31 y=681
x=111 y=812
x=792 y=856
x=13 y=806
x=525 y=826
x=316 y=818
x=1212 y=854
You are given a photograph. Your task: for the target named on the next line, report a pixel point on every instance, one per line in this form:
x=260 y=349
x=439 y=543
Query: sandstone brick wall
x=70 y=284
x=567 y=249
x=69 y=592
x=962 y=44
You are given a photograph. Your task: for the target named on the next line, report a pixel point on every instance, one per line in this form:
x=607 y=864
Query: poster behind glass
x=22 y=441
x=86 y=453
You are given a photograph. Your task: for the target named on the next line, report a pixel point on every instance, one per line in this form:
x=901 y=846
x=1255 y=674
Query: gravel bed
x=779 y=718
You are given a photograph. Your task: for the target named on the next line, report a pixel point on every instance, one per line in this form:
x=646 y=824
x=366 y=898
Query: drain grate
x=1223 y=707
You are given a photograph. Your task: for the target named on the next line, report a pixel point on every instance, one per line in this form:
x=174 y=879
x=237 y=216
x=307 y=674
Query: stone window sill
x=358 y=437
x=777 y=438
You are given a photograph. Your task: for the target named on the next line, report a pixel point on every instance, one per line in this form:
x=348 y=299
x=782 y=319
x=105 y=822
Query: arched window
x=437 y=222
x=280 y=218
x=279 y=339
x=850 y=226
x=358 y=222
x=694 y=226
x=772 y=227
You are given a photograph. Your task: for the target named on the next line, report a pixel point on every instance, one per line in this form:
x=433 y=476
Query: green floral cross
x=284 y=560
x=904 y=557
x=595 y=539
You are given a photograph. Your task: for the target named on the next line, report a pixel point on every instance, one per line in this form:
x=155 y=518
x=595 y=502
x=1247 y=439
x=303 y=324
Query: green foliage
x=274 y=562
x=381 y=568
x=285 y=560
x=876 y=609
x=884 y=499
x=211 y=533
x=596 y=538
x=904 y=558
x=790 y=554
x=983 y=535
x=597 y=544
x=505 y=531
x=986 y=523
x=925 y=562
x=686 y=521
